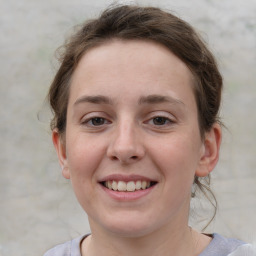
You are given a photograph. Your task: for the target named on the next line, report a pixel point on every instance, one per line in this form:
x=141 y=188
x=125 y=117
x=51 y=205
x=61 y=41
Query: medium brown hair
x=128 y=22
x=141 y=23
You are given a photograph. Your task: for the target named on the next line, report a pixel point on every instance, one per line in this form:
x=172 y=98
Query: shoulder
x=221 y=246
x=70 y=248
x=60 y=250
x=244 y=250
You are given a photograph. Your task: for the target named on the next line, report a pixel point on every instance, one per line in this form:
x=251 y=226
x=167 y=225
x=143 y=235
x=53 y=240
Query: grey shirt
x=219 y=246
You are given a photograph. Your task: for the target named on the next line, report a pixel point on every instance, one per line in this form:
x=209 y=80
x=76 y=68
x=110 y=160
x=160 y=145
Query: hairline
x=98 y=42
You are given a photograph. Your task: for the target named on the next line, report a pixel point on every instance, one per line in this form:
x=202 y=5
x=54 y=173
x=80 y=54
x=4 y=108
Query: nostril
x=115 y=158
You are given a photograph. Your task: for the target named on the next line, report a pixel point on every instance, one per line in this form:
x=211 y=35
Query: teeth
x=114 y=185
x=138 y=185
x=109 y=185
x=130 y=186
x=121 y=186
x=144 y=184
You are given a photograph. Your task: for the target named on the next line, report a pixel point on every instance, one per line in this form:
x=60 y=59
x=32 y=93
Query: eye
x=160 y=120
x=95 y=121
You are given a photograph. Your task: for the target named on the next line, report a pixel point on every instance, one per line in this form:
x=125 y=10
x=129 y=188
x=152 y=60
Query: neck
x=185 y=241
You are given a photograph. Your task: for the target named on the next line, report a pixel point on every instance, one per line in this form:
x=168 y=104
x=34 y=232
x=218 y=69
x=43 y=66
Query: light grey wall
x=38 y=209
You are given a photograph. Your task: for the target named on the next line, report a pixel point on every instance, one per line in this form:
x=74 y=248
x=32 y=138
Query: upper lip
x=126 y=178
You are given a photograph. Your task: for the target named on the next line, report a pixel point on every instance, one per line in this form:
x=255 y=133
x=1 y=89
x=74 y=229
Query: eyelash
x=164 y=121
x=89 y=121
x=161 y=119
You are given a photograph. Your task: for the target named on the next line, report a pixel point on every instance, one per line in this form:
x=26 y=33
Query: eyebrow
x=97 y=99
x=156 y=99
x=150 y=99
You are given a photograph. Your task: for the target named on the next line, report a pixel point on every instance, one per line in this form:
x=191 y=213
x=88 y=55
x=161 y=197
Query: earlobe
x=210 y=152
x=60 y=148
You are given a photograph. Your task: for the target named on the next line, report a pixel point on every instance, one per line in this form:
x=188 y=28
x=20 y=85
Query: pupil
x=159 y=120
x=98 y=121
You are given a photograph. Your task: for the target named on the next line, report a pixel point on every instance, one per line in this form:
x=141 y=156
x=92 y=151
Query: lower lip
x=127 y=196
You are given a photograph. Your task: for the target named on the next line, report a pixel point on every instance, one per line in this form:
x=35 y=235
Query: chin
x=130 y=231
x=132 y=227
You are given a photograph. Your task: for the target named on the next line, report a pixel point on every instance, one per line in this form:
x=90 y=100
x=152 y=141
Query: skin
x=147 y=125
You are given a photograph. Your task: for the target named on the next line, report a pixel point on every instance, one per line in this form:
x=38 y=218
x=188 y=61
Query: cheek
x=83 y=160
x=177 y=158
x=83 y=157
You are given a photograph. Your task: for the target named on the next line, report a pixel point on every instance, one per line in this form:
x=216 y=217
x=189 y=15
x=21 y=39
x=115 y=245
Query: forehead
x=118 y=63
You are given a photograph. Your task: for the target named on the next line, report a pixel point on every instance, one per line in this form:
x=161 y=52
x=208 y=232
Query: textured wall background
x=38 y=209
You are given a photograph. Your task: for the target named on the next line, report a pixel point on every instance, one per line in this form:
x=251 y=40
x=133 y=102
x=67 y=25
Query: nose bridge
x=126 y=135
x=125 y=144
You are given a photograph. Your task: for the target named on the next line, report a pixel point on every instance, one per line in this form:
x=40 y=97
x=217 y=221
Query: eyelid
x=91 y=119
x=164 y=114
x=170 y=121
x=88 y=117
x=169 y=117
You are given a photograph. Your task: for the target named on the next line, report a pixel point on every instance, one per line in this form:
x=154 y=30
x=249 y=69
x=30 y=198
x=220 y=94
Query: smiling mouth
x=130 y=186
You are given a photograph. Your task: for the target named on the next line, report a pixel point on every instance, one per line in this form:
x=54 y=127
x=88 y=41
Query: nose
x=125 y=145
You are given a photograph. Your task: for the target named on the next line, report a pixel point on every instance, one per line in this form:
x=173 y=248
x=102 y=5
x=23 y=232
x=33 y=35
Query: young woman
x=136 y=102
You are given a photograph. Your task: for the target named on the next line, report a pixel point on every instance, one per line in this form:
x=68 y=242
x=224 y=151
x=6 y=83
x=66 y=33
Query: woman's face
x=132 y=144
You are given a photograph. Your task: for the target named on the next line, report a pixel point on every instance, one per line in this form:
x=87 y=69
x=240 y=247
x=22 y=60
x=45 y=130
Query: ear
x=60 y=147
x=210 y=151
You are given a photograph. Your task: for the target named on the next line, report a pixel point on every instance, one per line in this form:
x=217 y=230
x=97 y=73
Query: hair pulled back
x=141 y=23
x=128 y=22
